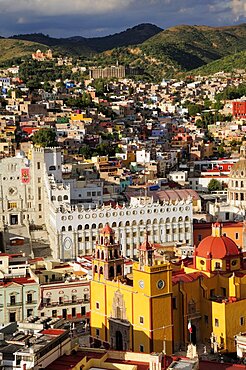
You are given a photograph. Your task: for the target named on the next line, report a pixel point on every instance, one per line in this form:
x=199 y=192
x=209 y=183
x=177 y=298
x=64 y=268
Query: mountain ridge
x=80 y=44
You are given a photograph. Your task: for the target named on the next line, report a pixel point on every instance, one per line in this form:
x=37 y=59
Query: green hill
x=82 y=46
x=229 y=64
x=181 y=48
x=14 y=49
x=161 y=53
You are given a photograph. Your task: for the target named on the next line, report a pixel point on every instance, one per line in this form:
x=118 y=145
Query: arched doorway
x=119 y=341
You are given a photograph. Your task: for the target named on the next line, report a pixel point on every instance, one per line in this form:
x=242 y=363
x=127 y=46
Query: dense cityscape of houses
x=122 y=221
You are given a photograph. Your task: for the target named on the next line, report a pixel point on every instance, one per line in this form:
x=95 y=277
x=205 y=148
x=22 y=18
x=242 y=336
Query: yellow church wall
x=98 y=313
x=200 y=264
x=103 y=293
x=153 y=302
x=141 y=331
x=178 y=318
x=206 y=320
x=161 y=308
x=235 y=317
x=218 y=262
x=243 y=287
x=126 y=291
x=235 y=264
x=219 y=321
x=234 y=287
x=138 y=277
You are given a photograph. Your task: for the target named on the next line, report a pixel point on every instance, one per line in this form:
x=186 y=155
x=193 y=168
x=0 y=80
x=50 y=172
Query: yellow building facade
x=130 y=314
x=149 y=311
x=210 y=293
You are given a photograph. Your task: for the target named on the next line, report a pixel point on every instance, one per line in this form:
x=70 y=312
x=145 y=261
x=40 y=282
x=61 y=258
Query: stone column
x=159 y=233
x=75 y=244
x=90 y=241
x=131 y=243
x=83 y=239
x=138 y=236
x=123 y=231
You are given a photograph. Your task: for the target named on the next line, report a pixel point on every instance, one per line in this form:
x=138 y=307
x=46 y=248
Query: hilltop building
x=42 y=56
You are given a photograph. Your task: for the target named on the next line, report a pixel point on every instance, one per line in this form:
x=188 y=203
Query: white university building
x=33 y=193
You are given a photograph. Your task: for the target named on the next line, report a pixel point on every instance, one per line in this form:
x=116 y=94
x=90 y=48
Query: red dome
x=217 y=247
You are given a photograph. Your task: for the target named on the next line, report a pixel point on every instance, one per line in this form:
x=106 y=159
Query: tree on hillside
x=214 y=185
x=45 y=137
x=194 y=109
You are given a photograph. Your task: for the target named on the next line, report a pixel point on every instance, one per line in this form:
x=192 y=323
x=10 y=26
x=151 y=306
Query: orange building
x=234 y=230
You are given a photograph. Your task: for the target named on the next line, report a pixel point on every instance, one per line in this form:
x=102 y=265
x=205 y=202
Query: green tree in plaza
x=45 y=137
x=214 y=185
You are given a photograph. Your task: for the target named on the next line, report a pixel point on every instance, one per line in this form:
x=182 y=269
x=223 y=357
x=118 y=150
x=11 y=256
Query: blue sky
x=89 y=18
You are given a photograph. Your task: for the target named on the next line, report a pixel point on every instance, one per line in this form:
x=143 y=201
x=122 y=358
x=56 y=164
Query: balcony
x=31 y=302
x=14 y=304
x=65 y=303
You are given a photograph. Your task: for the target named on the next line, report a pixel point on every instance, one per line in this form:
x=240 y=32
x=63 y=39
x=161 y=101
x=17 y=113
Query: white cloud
x=238 y=8
x=62 y=7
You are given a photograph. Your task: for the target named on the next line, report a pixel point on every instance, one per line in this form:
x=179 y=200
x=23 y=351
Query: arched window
x=114 y=224
x=187 y=218
x=59 y=198
x=115 y=253
x=63 y=228
x=98 y=254
x=93 y=226
x=87 y=227
x=95 y=268
x=102 y=255
x=53 y=197
x=70 y=228
x=118 y=270
x=101 y=270
x=52 y=168
x=79 y=227
x=65 y=197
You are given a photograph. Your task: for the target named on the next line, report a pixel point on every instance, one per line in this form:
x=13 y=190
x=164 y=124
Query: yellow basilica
x=150 y=310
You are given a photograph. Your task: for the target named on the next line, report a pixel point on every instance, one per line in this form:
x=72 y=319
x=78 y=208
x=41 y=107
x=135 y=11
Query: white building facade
x=73 y=229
